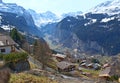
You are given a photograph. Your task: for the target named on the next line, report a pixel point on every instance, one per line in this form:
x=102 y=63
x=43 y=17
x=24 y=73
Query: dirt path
x=73 y=80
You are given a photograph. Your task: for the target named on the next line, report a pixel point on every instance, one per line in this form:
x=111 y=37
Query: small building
x=7 y=45
x=83 y=65
x=106 y=73
x=112 y=70
x=96 y=66
x=90 y=65
x=65 y=66
x=106 y=65
x=59 y=57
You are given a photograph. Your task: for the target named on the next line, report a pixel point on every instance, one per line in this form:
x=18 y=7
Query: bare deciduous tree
x=42 y=52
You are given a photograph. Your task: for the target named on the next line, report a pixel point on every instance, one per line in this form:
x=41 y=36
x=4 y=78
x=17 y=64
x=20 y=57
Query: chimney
x=7 y=42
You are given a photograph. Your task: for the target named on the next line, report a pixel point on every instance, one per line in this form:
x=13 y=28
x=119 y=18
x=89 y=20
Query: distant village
x=109 y=70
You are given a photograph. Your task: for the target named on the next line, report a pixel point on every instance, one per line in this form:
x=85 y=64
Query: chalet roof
x=107 y=72
x=59 y=55
x=6 y=40
x=83 y=64
x=106 y=65
x=64 y=64
x=113 y=69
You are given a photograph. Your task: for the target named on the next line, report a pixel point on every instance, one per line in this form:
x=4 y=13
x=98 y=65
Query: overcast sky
x=57 y=6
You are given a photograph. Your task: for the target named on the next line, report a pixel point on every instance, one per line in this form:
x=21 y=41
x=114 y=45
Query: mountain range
x=95 y=32
x=13 y=15
x=110 y=7
x=41 y=19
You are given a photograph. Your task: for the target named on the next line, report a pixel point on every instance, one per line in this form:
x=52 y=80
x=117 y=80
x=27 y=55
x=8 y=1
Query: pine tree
x=16 y=36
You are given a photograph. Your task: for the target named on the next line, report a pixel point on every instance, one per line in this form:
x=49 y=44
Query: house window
x=2 y=50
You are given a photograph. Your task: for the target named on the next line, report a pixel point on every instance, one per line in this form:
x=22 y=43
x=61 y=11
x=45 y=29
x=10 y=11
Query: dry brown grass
x=28 y=78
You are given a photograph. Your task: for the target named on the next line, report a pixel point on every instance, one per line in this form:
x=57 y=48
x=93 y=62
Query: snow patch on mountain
x=118 y=19
x=107 y=19
x=109 y=7
x=44 y=18
x=74 y=14
x=12 y=8
x=41 y=19
x=68 y=20
x=92 y=21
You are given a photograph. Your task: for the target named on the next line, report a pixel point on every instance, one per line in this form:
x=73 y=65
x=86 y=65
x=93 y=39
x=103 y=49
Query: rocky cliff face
x=20 y=66
x=14 y=15
x=94 y=32
x=90 y=33
x=19 y=22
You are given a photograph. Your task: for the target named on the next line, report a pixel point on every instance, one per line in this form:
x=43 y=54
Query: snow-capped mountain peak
x=44 y=18
x=16 y=9
x=109 y=7
x=74 y=14
x=47 y=17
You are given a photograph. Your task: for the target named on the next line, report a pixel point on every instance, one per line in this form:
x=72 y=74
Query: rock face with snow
x=41 y=19
x=110 y=7
x=72 y=14
x=20 y=11
x=14 y=15
x=96 y=32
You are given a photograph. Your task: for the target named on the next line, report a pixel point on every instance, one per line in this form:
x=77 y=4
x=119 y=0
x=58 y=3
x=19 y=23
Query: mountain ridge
x=14 y=15
x=92 y=33
x=109 y=7
x=41 y=19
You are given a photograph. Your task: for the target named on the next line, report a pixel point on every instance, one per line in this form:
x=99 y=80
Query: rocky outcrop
x=4 y=75
x=20 y=66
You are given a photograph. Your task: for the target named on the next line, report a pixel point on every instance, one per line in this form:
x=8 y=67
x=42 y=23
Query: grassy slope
x=28 y=78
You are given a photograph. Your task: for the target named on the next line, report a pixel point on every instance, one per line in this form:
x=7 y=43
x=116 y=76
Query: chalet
x=106 y=65
x=83 y=65
x=96 y=66
x=112 y=70
x=65 y=66
x=7 y=45
x=59 y=57
x=107 y=72
x=90 y=65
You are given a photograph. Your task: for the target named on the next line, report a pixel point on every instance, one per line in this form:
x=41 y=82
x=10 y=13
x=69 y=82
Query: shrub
x=14 y=57
x=1 y=56
x=115 y=77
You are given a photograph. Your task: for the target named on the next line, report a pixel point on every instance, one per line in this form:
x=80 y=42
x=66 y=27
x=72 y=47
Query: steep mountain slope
x=109 y=7
x=92 y=33
x=72 y=14
x=14 y=15
x=41 y=19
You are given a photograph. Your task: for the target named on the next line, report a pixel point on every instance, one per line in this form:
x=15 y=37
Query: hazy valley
x=73 y=47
